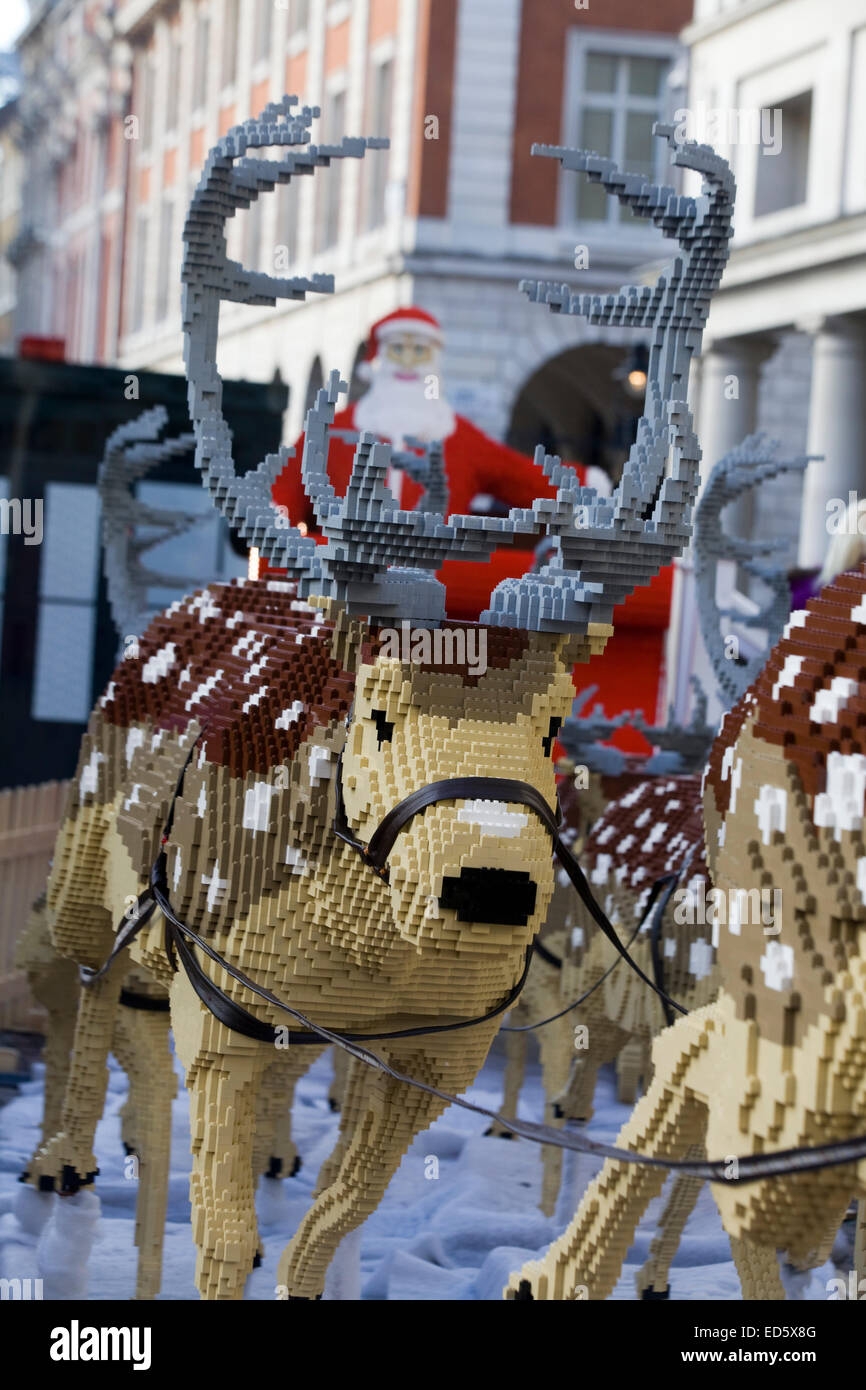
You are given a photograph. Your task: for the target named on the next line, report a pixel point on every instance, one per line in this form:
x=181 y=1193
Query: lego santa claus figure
x=406 y=400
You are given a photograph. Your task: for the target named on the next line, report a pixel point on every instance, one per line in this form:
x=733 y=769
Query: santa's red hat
x=412 y=320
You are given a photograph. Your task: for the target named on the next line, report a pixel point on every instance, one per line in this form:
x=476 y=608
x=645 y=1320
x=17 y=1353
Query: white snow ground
x=456 y=1236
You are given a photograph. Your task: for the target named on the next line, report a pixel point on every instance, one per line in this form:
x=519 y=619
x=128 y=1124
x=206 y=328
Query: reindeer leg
x=758 y=1268
x=141 y=1045
x=629 y=1069
x=56 y=988
x=275 y=1153
x=651 y=1280
x=381 y=1116
x=586 y=1260
x=337 y=1088
x=555 y=1047
x=515 y=1070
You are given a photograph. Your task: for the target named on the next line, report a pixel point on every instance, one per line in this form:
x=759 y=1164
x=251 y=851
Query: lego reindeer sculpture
x=779 y=1061
x=329 y=831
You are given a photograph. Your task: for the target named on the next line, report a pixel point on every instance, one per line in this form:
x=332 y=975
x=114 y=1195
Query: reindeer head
x=784 y=816
x=451 y=869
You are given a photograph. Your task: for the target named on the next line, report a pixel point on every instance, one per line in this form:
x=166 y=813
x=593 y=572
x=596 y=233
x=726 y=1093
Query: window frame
x=624 y=44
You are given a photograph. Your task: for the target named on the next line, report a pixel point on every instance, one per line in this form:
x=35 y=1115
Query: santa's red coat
x=627 y=674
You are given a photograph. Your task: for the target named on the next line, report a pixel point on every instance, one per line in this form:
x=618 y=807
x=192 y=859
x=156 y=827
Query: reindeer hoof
x=524 y=1293
x=497 y=1134
x=275 y=1167
x=297 y=1165
x=333 y=1105
x=302 y=1298
x=257 y=1260
x=651 y=1294
x=558 y=1112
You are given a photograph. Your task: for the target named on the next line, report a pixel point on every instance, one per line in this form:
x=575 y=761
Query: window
x=202 y=43
x=781 y=178
x=328 y=221
x=166 y=258
x=264 y=12
x=230 y=42
x=140 y=276
x=172 y=99
x=621 y=96
x=145 y=104
x=376 y=161
x=299 y=15
x=288 y=202
x=68 y=582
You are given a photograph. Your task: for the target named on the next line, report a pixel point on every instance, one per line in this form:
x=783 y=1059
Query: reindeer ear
x=350 y=634
x=577 y=647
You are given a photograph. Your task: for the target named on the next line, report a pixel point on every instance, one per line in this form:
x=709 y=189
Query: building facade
x=779 y=86
x=451 y=217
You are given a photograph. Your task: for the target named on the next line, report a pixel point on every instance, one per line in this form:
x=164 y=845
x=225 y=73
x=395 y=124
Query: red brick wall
x=427 y=194
x=543 y=53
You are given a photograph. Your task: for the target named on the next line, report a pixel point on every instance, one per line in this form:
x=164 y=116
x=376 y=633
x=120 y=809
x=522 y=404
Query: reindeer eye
x=384 y=727
x=553 y=730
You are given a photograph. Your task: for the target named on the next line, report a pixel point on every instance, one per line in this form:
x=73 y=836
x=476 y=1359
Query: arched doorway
x=581 y=405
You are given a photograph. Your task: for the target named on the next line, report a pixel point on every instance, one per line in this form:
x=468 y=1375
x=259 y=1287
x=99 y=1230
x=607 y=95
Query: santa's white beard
x=399 y=410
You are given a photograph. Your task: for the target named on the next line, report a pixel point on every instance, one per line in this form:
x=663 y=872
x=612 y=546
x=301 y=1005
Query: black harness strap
x=547 y=956
x=150 y=1003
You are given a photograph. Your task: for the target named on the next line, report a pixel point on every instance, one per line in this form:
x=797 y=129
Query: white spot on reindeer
x=840 y=807
x=88 y=781
x=673 y=805
x=257 y=806
x=604 y=834
x=134 y=739
x=720 y=834
x=858 y=612
x=177 y=869
x=174 y=608
x=157 y=667
x=797 y=619
x=777 y=966
x=108 y=696
x=830 y=700
x=203 y=604
x=493 y=818
x=298 y=605
x=254 y=699
x=204 y=689
x=201 y=804
x=157 y=739
x=236 y=618
x=670 y=948
x=576 y=938
x=248 y=645
x=657 y=833
x=185 y=675
x=216 y=888
x=133 y=799
x=632 y=797
x=771 y=807
x=318 y=759
x=788 y=674
x=700 y=959
x=279 y=586
x=642 y=819
x=255 y=670
x=295 y=859
x=734 y=770
x=602 y=868
x=290 y=715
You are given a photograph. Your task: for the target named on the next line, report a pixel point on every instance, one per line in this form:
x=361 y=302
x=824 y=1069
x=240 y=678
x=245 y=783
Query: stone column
x=729 y=377
x=837 y=427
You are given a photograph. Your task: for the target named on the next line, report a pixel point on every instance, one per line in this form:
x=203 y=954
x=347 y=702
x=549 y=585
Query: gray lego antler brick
x=131 y=452
x=752 y=462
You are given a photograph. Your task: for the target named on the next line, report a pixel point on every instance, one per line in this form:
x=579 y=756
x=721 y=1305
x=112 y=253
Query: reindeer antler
x=379 y=560
x=131 y=452
x=753 y=461
x=624 y=540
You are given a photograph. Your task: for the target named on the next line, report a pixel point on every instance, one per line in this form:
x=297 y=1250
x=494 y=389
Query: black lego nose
x=490 y=895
